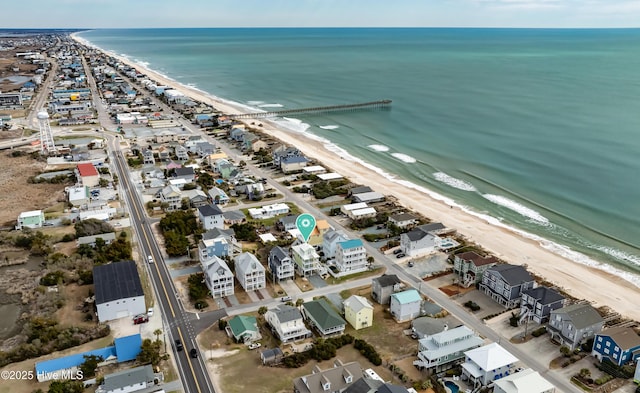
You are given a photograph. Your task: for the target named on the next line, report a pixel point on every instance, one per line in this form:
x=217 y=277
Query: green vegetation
x=368 y=351
x=117 y=250
x=322 y=349
x=325 y=189
x=539 y=331
x=89 y=366
x=197 y=288
x=92 y=227
x=52 y=278
x=379 y=219
x=37 y=242
x=68 y=386
x=175 y=228
x=45 y=336
x=245 y=231
x=150 y=352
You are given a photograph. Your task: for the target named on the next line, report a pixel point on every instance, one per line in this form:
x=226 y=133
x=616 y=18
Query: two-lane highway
x=176 y=320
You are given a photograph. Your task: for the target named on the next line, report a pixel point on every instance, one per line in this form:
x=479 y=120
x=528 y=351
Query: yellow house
x=322 y=226
x=358 y=312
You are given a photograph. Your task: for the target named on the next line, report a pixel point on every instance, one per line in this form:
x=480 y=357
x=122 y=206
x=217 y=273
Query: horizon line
x=331 y=27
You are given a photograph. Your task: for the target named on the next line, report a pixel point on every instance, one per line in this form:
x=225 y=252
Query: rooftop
x=581 y=315
x=387 y=280
x=408 y=296
x=544 y=295
x=116 y=280
x=512 y=274
x=122 y=379
x=525 y=381
x=242 y=323
x=625 y=337
x=491 y=357
x=209 y=210
x=87 y=169
x=323 y=314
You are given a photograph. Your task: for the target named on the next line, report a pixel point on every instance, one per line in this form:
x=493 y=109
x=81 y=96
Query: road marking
x=189 y=361
x=198 y=316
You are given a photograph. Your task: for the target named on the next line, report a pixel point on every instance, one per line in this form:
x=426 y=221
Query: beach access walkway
x=317 y=109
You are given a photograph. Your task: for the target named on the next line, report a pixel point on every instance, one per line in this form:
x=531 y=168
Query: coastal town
x=152 y=242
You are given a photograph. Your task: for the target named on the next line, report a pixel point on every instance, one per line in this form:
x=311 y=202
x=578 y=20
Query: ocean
x=534 y=129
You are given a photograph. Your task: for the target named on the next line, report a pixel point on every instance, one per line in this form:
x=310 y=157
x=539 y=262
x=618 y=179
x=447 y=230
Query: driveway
x=317 y=281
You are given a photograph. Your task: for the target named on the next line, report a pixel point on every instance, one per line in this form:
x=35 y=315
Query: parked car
x=285 y=299
x=410 y=264
x=401 y=255
x=150 y=312
x=254 y=345
x=398 y=251
x=193 y=353
x=179 y=346
x=138 y=319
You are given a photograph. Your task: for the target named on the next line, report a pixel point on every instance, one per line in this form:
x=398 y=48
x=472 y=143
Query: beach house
x=403 y=220
x=31 y=219
x=486 y=364
x=469 y=267
x=443 y=350
x=505 y=283
x=384 y=286
x=211 y=217
x=218 y=277
x=321 y=316
x=330 y=242
x=418 y=242
x=218 y=196
x=218 y=242
x=268 y=211
x=358 y=312
x=293 y=164
x=405 y=305
x=281 y=265
x=172 y=197
x=129 y=380
x=249 y=271
x=244 y=328
x=332 y=380
x=287 y=324
x=619 y=345
x=525 y=381
x=306 y=259
x=574 y=325
x=536 y=304
x=351 y=257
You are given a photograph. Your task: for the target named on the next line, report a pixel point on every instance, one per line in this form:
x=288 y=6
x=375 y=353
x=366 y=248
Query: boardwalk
x=318 y=109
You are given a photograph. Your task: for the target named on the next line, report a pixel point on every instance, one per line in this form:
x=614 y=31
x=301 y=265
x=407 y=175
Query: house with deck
x=244 y=328
x=620 y=345
x=469 y=267
x=441 y=351
x=172 y=196
x=218 y=242
x=306 y=259
x=31 y=219
x=418 y=242
x=351 y=257
x=321 y=316
x=487 y=364
x=575 y=324
x=287 y=324
x=211 y=217
x=330 y=242
x=504 y=283
x=249 y=272
x=281 y=265
x=403 y=220
x=218 y=277
x=536 y=304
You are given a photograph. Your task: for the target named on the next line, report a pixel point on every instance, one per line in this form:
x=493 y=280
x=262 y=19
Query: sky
x=319 y=13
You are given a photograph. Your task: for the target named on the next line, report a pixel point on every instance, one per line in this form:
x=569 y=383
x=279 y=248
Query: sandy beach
x=581 y=281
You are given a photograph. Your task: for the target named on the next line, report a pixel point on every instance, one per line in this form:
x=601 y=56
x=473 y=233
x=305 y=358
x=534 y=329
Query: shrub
x=52 y=278
x=473 y=306
x=539 y=331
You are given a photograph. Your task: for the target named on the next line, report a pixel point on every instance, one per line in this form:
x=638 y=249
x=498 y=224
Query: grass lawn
x=374 y=272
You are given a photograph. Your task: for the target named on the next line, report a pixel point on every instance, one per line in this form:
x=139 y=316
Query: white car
x=150 y=312
x=150 y=258
x=254 y=345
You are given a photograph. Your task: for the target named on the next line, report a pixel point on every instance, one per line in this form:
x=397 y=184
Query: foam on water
x=255 y=103
x=453 y=182
x=378 y=147
x=518 y=208
x=329 y=127
x=270 y=105
x=404 y=157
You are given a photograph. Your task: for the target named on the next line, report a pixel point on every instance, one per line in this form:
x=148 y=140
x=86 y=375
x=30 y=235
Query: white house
x=78 y=196
x=118 y=291
x=403 y=220
x=405 y=305
x=127 y=381
x=268 y=211
x=287 y=323
x=211 y=217
x=418 y=242
x=351 y=257
x=249 y=272
x=346 y=209
x=525 y=381
x=486 y=364
x=30 y=219
x=359 y=214
x=306 y=259
x=218 y=277
x=443 y=350
x=172 y=196
x=330 y=241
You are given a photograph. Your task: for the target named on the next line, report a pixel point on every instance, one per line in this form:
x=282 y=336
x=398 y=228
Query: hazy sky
x=294 y=13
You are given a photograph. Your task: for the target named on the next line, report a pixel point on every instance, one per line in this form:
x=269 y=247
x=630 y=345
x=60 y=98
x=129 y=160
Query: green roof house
x=244 y=328
x=323 y=317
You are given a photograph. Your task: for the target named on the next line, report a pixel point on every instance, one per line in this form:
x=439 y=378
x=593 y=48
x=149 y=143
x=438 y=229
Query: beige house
x=358 y=312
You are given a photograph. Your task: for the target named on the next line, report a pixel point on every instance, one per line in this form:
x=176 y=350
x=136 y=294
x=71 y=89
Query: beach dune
x=578 y=280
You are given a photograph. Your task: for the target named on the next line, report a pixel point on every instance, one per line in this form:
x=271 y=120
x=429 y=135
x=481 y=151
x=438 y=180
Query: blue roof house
x=405 y=305
x=124 y=349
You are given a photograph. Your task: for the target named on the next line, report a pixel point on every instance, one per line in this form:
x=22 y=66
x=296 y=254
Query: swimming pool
x=452 y=386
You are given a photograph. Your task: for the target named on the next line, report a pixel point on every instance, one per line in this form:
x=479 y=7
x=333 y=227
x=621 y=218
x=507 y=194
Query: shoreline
x=509 y=244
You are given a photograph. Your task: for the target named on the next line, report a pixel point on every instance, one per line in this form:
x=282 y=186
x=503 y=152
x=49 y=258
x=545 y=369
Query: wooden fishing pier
x=318 y=109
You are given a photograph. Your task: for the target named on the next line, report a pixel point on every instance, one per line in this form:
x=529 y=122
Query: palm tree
x=157 y=333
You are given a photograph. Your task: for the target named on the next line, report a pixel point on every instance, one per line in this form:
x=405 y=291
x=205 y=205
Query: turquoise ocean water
x=535 y=129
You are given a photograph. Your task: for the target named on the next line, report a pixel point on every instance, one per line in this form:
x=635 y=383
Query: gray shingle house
x=575 y=324
x=383 y=286
x=280 y=264
x=505 y=283
x=537 y=303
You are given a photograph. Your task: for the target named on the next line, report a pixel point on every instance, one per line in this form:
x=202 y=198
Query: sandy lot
x=17 y=194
